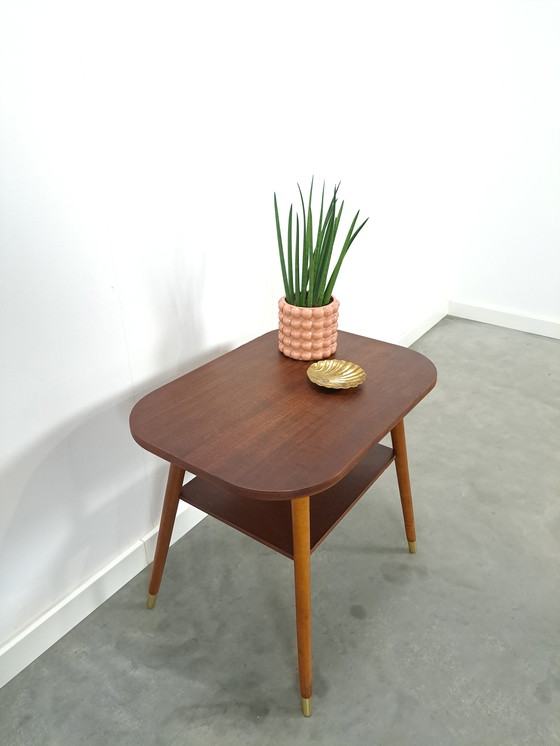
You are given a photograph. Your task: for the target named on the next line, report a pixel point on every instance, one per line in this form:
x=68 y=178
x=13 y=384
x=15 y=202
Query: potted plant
x=308 y=312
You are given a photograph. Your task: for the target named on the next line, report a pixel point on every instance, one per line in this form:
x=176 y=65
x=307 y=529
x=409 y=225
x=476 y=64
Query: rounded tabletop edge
x=428 y=378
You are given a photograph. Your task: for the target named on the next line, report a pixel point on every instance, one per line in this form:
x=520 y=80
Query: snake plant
x=305 y=263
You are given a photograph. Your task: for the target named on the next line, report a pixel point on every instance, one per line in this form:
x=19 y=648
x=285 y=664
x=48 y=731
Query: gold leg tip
x=306 y=706
x=412 y=547
x=151 y=601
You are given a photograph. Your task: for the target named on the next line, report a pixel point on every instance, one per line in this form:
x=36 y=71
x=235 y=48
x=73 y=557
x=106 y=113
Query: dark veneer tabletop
x=251 y=419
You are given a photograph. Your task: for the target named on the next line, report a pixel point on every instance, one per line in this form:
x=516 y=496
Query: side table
x=276 y=456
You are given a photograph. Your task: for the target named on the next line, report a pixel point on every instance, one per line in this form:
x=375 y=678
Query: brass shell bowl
x=336 y=374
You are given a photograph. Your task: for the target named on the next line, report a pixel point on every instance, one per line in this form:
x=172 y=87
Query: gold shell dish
x=336 y=374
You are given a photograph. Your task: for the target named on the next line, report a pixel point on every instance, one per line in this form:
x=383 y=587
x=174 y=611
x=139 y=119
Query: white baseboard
x=523 y=323
x=424 y=326
x=39 y=636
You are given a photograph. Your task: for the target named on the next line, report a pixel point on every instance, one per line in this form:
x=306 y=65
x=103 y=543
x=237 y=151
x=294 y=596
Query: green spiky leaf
x=305 y=266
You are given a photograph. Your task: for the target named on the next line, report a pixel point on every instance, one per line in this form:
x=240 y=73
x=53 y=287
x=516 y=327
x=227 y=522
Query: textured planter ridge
x=307 y=333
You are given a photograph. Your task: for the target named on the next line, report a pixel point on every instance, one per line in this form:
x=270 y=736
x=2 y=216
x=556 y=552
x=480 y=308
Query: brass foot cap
x=306 y=706
x=412 y=547
x=151 y=601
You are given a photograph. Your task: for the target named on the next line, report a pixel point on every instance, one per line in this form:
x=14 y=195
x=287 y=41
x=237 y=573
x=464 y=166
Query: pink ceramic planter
x=307 y=333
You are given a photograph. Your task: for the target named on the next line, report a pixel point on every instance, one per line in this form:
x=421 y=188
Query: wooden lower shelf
x=270 y=522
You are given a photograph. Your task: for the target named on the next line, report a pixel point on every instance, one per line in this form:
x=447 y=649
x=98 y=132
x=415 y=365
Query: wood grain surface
x=252 y=421
x=270 y=521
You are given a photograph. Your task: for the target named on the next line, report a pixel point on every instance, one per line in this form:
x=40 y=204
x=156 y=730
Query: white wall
x=126 y=218
x=141 y=144
x=506 y=74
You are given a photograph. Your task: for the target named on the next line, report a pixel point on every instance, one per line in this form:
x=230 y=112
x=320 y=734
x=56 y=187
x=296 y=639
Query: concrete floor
x=457 y=645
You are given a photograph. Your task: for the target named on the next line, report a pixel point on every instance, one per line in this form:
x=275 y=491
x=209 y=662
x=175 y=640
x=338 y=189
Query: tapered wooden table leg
x=168 y=513
x=302 y=577
x=403 y=478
